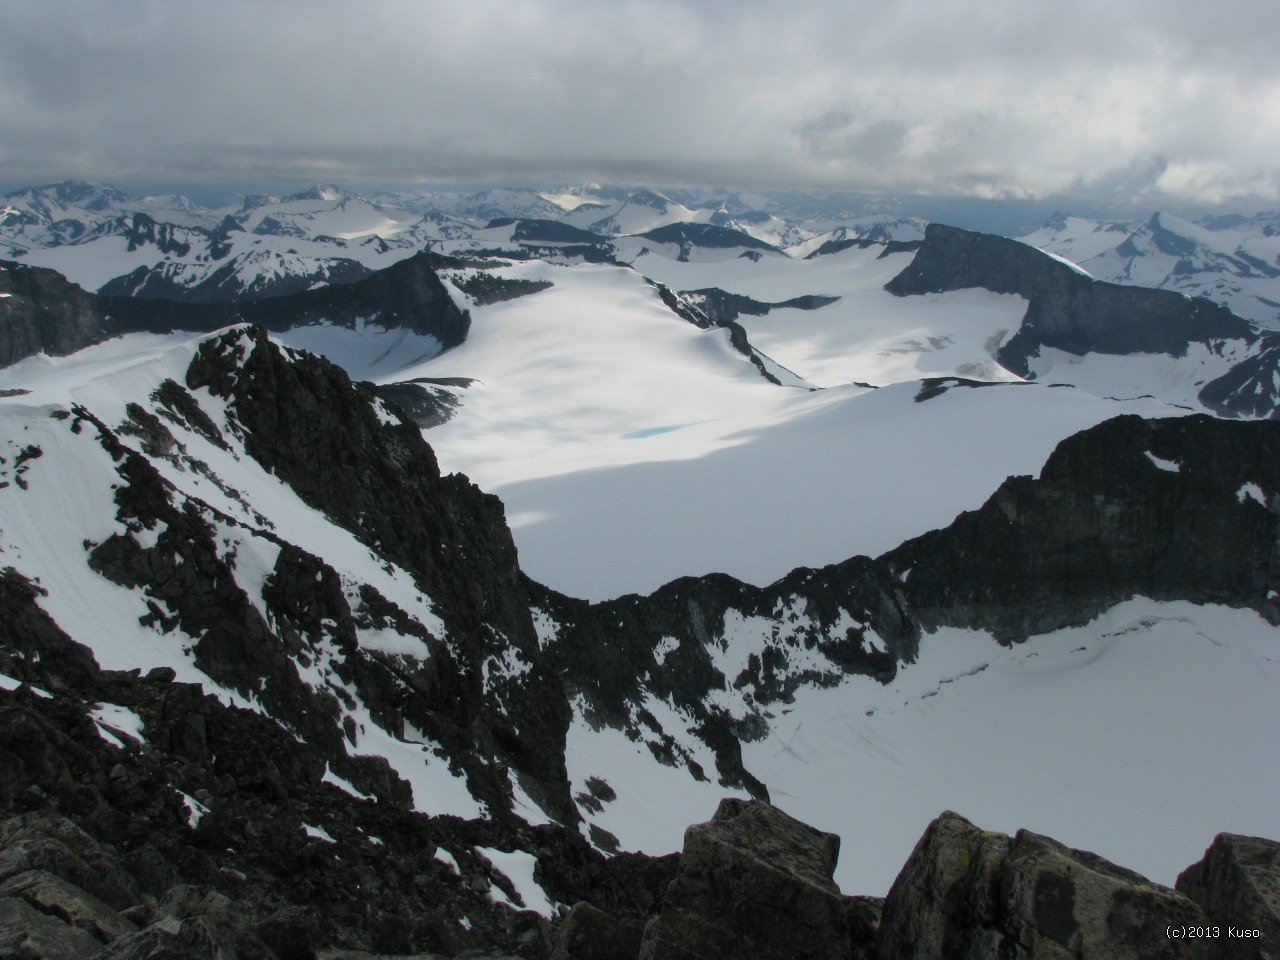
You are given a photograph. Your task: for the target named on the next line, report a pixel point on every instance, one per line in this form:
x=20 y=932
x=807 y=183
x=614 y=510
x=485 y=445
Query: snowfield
x=1138 y=736
x=631 y=447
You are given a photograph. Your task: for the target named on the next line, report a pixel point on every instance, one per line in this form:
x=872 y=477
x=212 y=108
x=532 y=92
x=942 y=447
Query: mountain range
x=476 y=543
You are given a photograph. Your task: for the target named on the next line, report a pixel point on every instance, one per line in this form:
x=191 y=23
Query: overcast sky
x=1140 y=100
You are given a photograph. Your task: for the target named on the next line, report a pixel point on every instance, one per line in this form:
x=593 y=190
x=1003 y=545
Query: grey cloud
x=947 y=96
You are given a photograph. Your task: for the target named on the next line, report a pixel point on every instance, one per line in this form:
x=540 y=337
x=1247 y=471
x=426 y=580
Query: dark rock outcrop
x=1158 y=508
x=176 y=280
x=1251 y=388
x=537 y=230
x=693 y=309
x=753 y=882
x=875 y=239
x=588 y=933
x=406 y=295
x=972 y=895
x=1067 y=309
x=1237 y=884
x=303 y=420
x=689 y=235
x=724 y=307
x=41 y=311
x=484 y=288
x=219 y=833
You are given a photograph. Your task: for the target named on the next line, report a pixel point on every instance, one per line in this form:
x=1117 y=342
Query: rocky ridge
x=1070 y=311
x=319 y=653
x=42 y=311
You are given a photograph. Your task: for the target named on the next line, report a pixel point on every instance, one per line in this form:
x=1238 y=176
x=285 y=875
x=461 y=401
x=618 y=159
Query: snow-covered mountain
x=242 y=516
x=617 y=525
x=1234 y=261
x=171 y=248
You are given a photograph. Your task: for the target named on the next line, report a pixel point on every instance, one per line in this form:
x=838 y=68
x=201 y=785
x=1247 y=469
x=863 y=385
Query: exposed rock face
x=1251 y=388
x=607 y=652
x=40 y=310
x=591 y=934
x=1160 y=508
x=1170 y=509
x=170 y=280
x=1067 y=309
x=305 y=422
x=724 y=307
x=1186 y=503
x=1237 y=884
x=877 y=237
x=46 y=312
x=692 y=310
x=972 y=895
x=203 y=839
x=753 y=882
x=689 y=235
x=546 y=231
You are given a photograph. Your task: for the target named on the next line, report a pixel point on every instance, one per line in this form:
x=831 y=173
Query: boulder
x=25 y=932
x=970 y=894
x=589 y=933
x=753 y=882
x=55 y=897
x=1237 y=884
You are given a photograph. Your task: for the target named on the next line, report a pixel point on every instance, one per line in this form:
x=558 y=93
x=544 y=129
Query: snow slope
x=868 y=335
x=630 y=447
x=57 y=501
x=1138 y=736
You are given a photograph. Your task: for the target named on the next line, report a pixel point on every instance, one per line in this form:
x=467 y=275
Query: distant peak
x=86 y=193
x=321 y=191
x=254 y=200
x=649 y=198
x=1058 y=221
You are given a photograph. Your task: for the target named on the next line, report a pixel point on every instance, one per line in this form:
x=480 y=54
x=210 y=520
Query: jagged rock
x=723 y=307
x=1237 y=884
x=591 y=934
x=1104 y=522
x=753 y=882
x=863 y=915
x=28 y=934
x=42 y=845
x=303 y=420
x=969 y=894
x=52 y=895
x=1251 y=388
x=43 y=311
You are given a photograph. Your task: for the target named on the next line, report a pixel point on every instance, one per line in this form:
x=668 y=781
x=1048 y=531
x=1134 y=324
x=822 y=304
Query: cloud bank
x=1138 y=101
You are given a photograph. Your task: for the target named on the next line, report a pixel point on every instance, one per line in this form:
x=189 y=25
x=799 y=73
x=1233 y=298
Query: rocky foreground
x=143 y=817
x=269 y=857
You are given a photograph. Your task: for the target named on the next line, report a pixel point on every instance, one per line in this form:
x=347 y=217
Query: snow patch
x=1169 y=466
x=317 y=833
x=195 y=809
x=9 y=683
x=112 y=719
x=1251 y=491
x=518 y=867
x=332 y=778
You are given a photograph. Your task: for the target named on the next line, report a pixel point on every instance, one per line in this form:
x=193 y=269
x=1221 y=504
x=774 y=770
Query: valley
x=543 y=522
